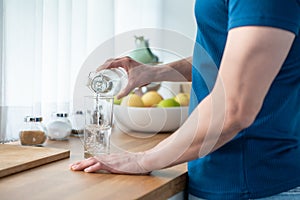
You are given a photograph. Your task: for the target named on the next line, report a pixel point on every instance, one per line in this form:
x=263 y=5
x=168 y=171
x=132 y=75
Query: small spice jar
x=59 y=128
x=33 y=132
x=78 y=122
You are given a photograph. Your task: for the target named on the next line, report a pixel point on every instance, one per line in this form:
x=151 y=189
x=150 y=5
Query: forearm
x=242 y=84
x=207 y=128
x=175 y=71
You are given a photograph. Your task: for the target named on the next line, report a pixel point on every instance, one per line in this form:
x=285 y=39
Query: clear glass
x=108 y=82
x=98 y=123
x=33 y=132
x=59 y=128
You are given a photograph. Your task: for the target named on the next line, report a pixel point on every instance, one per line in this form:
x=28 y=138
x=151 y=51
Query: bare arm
x=176 y=71
x=140 y=74
x=252 y=58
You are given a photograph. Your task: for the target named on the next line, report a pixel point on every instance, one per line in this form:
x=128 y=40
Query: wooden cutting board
x=16 y=158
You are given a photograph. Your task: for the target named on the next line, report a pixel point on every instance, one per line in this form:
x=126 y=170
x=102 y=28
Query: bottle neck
x=101 y=84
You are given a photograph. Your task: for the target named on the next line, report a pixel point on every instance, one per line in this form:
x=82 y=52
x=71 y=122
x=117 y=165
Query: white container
x=59 y=128
x=149 y=120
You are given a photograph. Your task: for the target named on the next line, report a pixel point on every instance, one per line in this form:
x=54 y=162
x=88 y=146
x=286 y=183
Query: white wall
x=178 y=15
x=173 y=15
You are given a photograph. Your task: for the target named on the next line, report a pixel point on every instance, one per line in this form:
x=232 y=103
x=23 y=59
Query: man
x=242 y=136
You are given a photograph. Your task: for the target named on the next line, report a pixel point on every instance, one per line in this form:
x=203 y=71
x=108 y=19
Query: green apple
x=117 y=101
x=168 y=103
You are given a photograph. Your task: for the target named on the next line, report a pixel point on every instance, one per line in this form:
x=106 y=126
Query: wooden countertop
x=56 y=181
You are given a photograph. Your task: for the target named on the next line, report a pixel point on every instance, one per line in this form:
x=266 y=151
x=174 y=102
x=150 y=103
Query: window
x=45 y=42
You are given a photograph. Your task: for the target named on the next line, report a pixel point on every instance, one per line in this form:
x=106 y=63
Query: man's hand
x=121 y=163
x=138 y=74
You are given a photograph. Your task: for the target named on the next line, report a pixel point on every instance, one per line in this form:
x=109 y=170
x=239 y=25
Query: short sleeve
x=284 y=14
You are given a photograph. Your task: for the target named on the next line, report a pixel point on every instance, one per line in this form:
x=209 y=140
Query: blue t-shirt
x=263 y=159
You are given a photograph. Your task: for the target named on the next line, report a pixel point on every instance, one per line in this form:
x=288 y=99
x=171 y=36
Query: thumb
x=124 y=92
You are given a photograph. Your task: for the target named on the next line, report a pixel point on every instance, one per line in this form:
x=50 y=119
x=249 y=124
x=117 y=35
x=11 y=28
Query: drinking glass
x=98 y=123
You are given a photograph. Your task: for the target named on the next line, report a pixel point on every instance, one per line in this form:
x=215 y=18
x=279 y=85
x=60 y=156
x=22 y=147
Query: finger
x=124 y=92
x=72 y=164
x=131 y=85
x=115 y=63
x=93 y=168
x=105 y=65
x=100 y=164
x=120 y=163
x=84 y=164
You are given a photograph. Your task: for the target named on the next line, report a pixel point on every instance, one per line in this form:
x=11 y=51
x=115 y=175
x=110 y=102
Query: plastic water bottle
x=108 y=82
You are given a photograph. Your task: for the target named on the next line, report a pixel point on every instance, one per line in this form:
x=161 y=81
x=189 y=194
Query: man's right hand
x=138 y=74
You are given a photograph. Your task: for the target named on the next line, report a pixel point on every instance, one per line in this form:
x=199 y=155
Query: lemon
x=151 y=98
x=132 y=100
x=168 y=103
x=183 y=99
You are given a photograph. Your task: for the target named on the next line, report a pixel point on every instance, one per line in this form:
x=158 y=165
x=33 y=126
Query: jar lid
x=79 y=112
x=61 y=114
x=33 y=119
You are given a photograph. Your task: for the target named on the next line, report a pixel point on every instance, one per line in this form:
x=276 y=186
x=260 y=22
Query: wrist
x=146 y=162
x=171 y=72
x=158 y=73
x=152 y=160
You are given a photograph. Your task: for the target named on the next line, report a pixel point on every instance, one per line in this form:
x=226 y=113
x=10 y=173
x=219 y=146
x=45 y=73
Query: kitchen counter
x=56 y=181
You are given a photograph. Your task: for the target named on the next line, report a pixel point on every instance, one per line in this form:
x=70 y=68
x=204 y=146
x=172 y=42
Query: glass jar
x=77 y=121
x=59 y=128
x=33 y=132
x=108 y=82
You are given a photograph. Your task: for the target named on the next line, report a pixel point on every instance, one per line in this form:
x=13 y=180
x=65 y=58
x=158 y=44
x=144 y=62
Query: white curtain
x=44 y=43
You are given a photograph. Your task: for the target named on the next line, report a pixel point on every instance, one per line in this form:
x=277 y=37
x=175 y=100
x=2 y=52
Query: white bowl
x=149 y=120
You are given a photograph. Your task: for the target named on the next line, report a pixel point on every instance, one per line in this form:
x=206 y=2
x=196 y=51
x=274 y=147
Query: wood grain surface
x=16 y=158
x=56 y=181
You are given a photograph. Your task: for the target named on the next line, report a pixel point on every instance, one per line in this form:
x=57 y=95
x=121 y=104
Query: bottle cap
x=33 y=119
x=61 y=114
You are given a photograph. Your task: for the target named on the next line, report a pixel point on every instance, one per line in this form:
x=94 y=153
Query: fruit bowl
x=149 y=119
